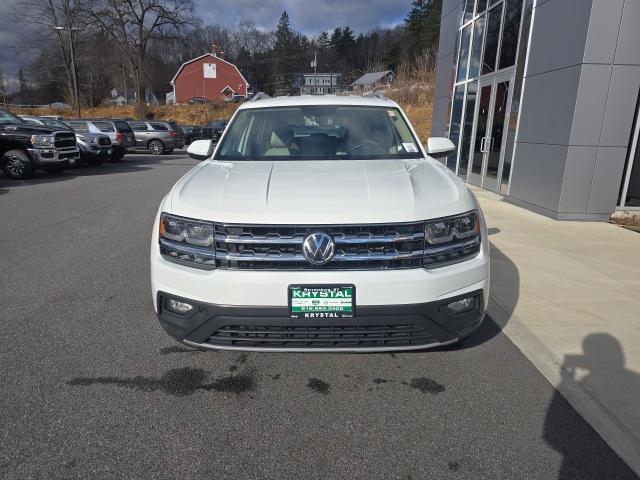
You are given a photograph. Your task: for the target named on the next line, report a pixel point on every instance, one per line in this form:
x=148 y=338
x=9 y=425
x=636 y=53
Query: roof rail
x=378 y=94
x=259 y=96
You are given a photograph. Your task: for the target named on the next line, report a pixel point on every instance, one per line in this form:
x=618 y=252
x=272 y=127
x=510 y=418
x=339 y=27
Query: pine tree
x=423 y=25
x=25 y=94
x=283 y=51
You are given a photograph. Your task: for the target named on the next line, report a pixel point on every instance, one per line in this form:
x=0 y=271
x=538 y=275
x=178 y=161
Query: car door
x=142 y=133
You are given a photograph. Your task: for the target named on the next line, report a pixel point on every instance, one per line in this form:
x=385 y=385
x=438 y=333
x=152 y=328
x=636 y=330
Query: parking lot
x=92 y=387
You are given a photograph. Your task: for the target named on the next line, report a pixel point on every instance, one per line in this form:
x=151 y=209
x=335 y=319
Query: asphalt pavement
x=92 y=387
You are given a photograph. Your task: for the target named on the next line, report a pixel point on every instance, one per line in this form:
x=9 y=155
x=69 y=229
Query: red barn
x=208 y=76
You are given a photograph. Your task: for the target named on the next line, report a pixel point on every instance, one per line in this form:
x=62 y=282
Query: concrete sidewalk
x=568 y=295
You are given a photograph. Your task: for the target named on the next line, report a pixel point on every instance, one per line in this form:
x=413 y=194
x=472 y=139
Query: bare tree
x=47 y=14
x=135 y=25
x=247 y=36
x=3 y=89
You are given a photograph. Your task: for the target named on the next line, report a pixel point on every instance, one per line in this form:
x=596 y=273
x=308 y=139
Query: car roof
x=313 y=100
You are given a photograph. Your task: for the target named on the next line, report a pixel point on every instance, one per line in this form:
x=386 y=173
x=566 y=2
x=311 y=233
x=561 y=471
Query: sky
x=307 y=16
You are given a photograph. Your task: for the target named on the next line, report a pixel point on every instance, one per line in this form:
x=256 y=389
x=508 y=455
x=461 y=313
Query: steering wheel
x=367 y=143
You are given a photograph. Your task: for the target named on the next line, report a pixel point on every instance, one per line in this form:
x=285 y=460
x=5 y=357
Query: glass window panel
x=476 y=48
x=481 y=128
x=510 y=32
x=633 y=191
x=509 y=145
x=467 y=130
x=481 y=6
x=497 y=129
x=463 y=61
x=491 y=43
x=454 y=130
x=468 y=11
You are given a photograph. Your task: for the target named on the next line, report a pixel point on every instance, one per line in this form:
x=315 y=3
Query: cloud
x=12 y=35
x=306 y=16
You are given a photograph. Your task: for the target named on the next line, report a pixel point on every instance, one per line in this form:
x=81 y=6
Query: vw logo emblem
x=318 y=248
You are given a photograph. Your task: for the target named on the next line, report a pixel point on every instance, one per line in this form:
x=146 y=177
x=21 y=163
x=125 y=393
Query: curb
x=603 y=421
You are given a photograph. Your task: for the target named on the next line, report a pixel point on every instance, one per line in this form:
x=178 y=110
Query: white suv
x=319 y=224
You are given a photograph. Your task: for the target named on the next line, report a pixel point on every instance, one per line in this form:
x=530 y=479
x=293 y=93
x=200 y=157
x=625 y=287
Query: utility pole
x=124 y=81
x=315 y=73
x=74 y=72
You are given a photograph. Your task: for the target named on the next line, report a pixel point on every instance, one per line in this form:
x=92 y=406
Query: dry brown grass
x=413 y=90
x=183 y=114
x=626 y=219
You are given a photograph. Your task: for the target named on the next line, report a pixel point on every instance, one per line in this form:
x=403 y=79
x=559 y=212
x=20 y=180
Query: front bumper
x=50 y=157
x=96 y=153
x=377 y=328
x=387 y=301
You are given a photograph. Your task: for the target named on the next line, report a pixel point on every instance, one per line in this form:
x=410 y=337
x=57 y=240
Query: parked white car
x=319 y=224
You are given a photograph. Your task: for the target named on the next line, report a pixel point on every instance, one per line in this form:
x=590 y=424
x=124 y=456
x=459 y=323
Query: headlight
x=92 y=140
x=42 y=140
x=451 y=240
x=188 y=241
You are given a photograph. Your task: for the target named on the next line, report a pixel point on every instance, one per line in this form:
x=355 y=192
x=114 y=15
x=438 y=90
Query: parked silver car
x=118 y=131
x=94 y=147
x=157 y=137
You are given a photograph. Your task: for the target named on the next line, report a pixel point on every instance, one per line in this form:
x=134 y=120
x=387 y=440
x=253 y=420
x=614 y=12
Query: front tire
x=118 y=154
x=156 y=147
x=17 y=165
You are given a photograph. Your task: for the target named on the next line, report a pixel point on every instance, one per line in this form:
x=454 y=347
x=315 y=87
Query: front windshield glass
x=8 y=118
x=50 y=122
x=325 y=132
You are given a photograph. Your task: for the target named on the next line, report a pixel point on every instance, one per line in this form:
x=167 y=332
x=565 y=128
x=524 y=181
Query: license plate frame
x=299 y=311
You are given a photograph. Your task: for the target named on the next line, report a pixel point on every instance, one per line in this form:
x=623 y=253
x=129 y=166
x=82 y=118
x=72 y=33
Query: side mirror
x=200 y=149
x=439 y=147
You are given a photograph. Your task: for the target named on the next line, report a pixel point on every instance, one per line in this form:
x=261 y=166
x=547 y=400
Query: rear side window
x=159 y=126
x=105 y=126
x=79 y=126
x=122 y=126
x=139 y=127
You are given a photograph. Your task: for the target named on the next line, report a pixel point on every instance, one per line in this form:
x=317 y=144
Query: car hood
x=319 y=192
x=32 y=129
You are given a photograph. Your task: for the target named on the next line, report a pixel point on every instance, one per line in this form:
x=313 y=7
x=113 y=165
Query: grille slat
x=65 y=140
x=358 y=247
x=320 y=336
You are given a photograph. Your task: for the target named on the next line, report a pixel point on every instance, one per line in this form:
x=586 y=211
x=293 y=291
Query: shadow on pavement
x=130 y=164
x=581 y=448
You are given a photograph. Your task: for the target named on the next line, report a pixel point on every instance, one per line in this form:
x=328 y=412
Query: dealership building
x=542 y=99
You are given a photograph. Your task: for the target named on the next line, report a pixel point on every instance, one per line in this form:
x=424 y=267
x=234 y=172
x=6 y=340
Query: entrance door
x=492 y=121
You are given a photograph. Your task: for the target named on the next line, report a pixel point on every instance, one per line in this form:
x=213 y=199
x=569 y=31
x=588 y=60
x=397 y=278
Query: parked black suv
x=214 y=130
x=25 y=147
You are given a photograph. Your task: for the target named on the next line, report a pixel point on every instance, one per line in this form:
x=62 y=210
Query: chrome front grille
x=358 y=247
x=350 y=247
x=65 y=140
x=104 y=141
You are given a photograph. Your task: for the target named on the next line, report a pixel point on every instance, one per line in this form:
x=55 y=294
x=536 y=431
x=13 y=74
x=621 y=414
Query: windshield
x=326 y=132
x=54 y=123
x=123 y=126
x=105 y=127
x=9 y=118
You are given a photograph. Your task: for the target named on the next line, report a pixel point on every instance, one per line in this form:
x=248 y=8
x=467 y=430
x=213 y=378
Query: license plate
x=322 y=301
